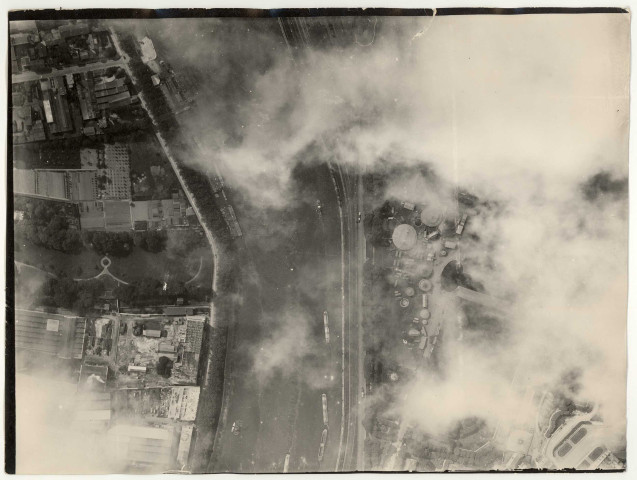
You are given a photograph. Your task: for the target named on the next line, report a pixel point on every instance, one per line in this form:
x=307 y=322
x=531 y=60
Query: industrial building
x=179 y=339
x=93 y=378
x=178 y=403
x=159 y=214
x=92 y=411
x=147 y=448
x=110 y=92
x=56 y=106
x=62 y=184
x=51 y=334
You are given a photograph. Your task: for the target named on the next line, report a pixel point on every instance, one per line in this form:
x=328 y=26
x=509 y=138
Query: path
x=198 y=272
x=105 y=262
x=20 y=265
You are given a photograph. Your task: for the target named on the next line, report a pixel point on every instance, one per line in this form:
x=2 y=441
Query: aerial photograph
x=317 y=240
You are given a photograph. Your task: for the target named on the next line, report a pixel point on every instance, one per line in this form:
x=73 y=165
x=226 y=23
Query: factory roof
x=50 y=334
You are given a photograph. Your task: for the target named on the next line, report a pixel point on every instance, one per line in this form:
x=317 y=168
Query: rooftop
x=51 y=334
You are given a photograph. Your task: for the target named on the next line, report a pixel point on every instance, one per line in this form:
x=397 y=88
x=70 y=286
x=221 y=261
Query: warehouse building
x=51 y=334
x=70 y=184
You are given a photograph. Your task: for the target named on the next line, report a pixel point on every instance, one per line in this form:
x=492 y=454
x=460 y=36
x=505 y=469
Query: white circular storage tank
x=432 y=216
x=404 y=237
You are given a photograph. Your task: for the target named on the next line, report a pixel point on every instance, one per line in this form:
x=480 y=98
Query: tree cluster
x=150 y=291
x=45 y=226
x=201 y=189
x=116 y=244
x=374 y=225
x=164 y=367
x=69 y=294
x=153 y=241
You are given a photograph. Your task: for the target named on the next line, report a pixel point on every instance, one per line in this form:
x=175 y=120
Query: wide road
x=33 y=76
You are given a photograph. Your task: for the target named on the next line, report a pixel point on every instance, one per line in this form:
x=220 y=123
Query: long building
x=56 y=106
x=70 y=184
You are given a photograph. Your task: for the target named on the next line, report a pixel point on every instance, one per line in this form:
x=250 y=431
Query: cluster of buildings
x=68 y=105
x=35 y=46
x=53 y=94
x=143 y=341
x=101 y=188
x=27 y=114
x=148 y=418
x=178 y=88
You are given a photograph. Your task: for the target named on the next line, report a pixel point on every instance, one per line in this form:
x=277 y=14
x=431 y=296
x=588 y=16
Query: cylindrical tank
x=426 y=270
x=432 y=216
x=424 y=285
x=404 y=237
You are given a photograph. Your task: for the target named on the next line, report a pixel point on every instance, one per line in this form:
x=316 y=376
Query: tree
x=164 y=367
x=117 y=244
x=155 y=241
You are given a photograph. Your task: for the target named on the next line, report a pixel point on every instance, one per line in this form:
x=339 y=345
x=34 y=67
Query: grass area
x=139 y=264
x=84 y=264
x=164 y=266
